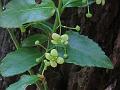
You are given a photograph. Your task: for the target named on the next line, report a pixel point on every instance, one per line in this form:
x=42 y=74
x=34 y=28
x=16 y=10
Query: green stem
x=31 y=72
x=37 y=83
x=58 y=14
x=13 y=38
x=42 y=47
x=41 y=67
x=45 y=85
x=60 y=9
x=18 y=46
x=0 y=6
x=68 y=27
x=11 y=31
x=88 y=7
x=55 y=23
x=23 y=29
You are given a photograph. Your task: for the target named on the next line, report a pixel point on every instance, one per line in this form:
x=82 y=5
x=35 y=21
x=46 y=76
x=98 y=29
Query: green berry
x=37 y=60
x=54 y=42
x=103 y=2
x=77 y=28
x=54 y=52
x=55 y=36
x=66 y=42
x=65 y=55
x=48 y=56
x=64 y=37
x=62 y=41
x=53 y=64
x=37 y=42
x=88 y=15
x=47 y=63
x=60 y=60
x=98 y=2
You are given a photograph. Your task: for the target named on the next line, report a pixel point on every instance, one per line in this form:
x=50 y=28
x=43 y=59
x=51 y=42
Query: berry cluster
x=52 y=58
x=59 y=39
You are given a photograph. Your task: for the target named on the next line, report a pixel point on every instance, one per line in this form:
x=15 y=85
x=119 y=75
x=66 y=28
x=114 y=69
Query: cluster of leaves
x=21 y=13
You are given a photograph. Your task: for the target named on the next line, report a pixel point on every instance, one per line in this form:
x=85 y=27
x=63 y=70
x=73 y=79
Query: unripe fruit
x=53 y=64
x=62 y=41
x=103 y=2
x=37 y=60
x=54 y=52
x=64 y=37
x=66 y=42
x=55 y=36
x=54 y=42
x=48 y=56
x=88 y=15
x=98 y=1
x=37 y=42
x=47 y=63
x=65 y=55
x=77 y=28
x=60 y=60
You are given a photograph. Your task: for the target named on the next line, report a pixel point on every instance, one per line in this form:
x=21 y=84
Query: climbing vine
x=51 y=47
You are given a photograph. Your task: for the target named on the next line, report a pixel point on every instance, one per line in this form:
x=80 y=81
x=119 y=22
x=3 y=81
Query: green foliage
x=84 y=52
x=70 y=47
x=23 y=82
x=45 y=26
x=19 y=12
x=19 y=61
x=30 y=41
x=76 y=3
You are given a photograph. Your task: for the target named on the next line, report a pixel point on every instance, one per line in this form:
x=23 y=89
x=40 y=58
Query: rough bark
x=104 y=29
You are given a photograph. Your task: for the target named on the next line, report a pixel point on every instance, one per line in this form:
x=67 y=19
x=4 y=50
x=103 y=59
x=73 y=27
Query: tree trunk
x=104 y=29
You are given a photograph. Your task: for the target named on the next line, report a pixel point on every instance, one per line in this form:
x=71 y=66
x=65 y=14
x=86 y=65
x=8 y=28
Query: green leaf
x=23 y=82
x=83 y=51
x=30 y=41
x=47 y=27
x=19 y=61
x=76 y=3
x=19 y=12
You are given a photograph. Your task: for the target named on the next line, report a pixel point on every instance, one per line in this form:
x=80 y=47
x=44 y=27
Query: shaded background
x=103 y=28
